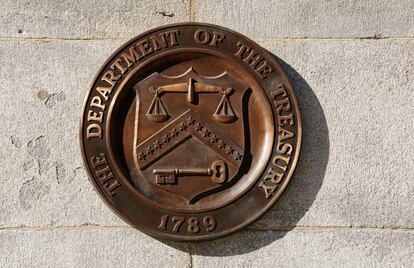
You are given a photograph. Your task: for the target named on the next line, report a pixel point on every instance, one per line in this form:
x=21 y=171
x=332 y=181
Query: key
x=169 y=176
x=218 y=173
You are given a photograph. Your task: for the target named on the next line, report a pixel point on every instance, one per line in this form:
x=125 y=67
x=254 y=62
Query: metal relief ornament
x=190 y=131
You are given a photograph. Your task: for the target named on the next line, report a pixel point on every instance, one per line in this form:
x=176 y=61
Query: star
x=157 y=144
x=238 y=156
x=199 y=127
x=221 y=143
x=150 y=150
x=190 y=121
x=229 y=150
x=182 y=127
x=213 y=138
x=174 y=132
x=141 y=156
x=206 y=133
x=166 y=138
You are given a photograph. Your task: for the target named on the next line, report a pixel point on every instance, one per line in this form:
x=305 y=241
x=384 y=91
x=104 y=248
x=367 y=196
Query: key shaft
x=184 y=171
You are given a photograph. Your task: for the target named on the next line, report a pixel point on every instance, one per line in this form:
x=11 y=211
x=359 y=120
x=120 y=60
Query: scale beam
x=157 y=112
x=184 y=88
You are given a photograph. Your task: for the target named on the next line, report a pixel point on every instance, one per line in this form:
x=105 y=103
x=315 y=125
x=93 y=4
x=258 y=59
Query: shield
x=189 y=138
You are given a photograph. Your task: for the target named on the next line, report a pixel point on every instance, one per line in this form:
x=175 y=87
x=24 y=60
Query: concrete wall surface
x=351 y=201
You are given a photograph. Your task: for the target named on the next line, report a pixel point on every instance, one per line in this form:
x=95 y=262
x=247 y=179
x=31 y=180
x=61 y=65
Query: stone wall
x=351 y=201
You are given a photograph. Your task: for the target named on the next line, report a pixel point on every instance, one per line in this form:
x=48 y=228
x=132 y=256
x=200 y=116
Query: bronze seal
x=190 y=131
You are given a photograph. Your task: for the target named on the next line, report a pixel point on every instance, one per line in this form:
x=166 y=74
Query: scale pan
x=225 y=118
x=158 y=118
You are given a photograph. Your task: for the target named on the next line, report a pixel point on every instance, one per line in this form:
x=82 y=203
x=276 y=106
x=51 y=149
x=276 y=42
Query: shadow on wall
x=302 y=189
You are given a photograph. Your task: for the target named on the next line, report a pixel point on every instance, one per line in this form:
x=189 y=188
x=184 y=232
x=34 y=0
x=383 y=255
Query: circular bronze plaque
x=190 y=131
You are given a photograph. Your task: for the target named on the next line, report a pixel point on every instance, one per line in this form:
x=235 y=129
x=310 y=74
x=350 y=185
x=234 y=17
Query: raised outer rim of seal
x=275 y=64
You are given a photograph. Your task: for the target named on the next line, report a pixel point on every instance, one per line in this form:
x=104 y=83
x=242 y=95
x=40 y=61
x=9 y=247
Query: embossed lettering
x=93 y=116
x=277 y=171
x=254 y=60
x=104 y=173
x=135 y=53
x=203 y=37
x=104 y=92
x=281 y=161
x=209 y=224
x=118 y=65
x=158 y=42
x=145 y=47
x=173 y=36
x=285 y=134
x=132 y=57
x=268 y=189
x=193 y=225
x=283 y=105
x=94 y=131
x=286 y=120
x=217 y=38
x=110 y=77
x=178 y=222
x=97 y=102
x=163 y=223
x=275 y=174
x=281 y=99
x=285 y=148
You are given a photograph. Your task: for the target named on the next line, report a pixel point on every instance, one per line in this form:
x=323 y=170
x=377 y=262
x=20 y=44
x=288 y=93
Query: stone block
x=356 y=165
x=308 y=248
x=267 y=19
x=82 y=19
x=88 y=247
